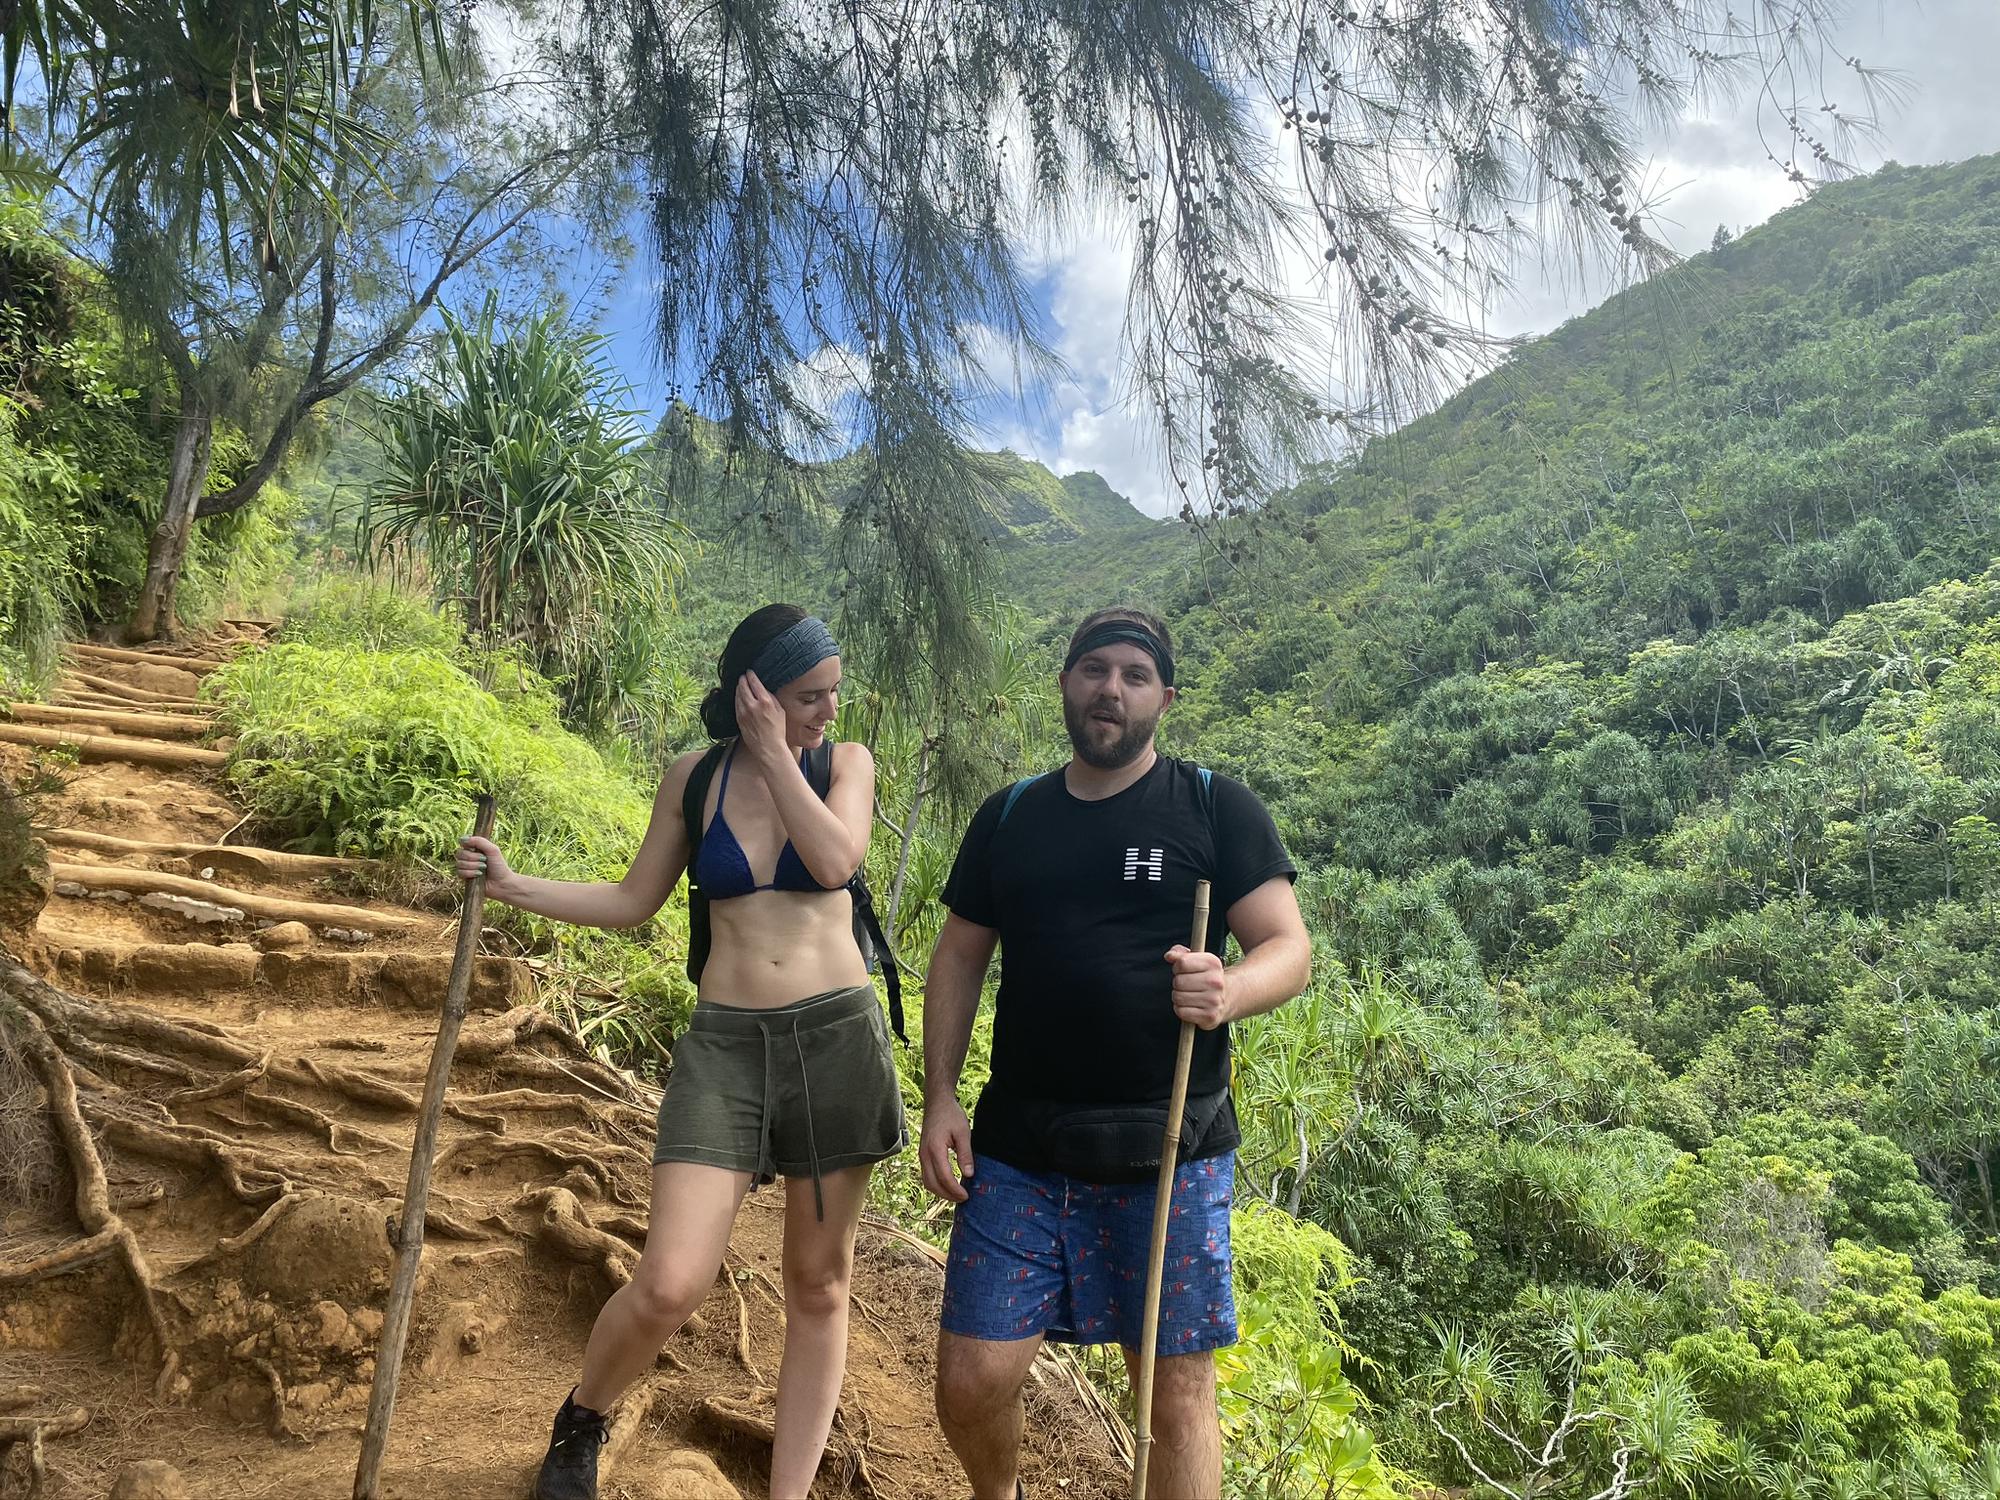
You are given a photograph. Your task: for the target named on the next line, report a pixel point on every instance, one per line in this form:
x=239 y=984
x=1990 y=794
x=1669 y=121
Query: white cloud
x=1705 y=170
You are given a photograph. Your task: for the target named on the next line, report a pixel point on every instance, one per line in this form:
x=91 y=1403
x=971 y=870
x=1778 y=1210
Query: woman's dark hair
x=746 y=642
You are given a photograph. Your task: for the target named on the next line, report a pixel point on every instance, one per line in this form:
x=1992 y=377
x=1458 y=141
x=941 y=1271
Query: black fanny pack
x=1120 y=1143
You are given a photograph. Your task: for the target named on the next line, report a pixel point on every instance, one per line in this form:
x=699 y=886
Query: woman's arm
x=831 y=837
x=655 y=869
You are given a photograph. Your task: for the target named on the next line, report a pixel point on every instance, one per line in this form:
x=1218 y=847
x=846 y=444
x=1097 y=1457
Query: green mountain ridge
x=1635 y=720
x=1030 y=504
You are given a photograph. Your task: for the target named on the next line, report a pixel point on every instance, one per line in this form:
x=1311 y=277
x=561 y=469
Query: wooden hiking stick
x=410 y=1232
x=1156 y=1265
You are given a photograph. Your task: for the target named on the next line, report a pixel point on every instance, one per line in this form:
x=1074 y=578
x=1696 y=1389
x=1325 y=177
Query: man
x=1085 y=879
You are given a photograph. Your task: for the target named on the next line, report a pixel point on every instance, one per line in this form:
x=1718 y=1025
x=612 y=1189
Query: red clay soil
x=246 y=1087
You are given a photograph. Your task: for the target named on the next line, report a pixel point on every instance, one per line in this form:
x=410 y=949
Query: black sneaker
x=569 y=1470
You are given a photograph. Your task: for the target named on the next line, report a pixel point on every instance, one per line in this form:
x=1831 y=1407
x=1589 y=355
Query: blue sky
x=1711 y=168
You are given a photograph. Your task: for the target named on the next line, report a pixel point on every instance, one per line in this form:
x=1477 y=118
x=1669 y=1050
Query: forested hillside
x=1637 y=718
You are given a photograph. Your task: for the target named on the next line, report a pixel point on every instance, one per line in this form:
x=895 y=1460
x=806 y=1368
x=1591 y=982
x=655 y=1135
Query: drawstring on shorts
x=764 y=1122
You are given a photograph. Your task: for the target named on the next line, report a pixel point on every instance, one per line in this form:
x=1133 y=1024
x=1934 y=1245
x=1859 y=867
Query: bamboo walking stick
x=423 y=1149
x=1156 y=1266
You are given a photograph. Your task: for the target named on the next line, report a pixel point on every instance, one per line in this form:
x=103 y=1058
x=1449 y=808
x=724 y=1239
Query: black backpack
x=868 y=935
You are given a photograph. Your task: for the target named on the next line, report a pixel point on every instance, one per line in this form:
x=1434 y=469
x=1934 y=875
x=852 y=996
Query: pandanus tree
x=512 y=474
x=1315 y=195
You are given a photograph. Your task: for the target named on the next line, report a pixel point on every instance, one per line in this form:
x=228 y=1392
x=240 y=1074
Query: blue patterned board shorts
x=1038 y=1252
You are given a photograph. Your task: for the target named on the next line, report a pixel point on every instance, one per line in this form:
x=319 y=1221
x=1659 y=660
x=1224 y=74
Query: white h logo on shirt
x=1149 y=860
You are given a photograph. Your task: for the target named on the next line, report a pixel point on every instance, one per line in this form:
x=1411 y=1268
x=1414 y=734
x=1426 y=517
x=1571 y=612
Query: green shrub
x=41 y=583
x=383 y=752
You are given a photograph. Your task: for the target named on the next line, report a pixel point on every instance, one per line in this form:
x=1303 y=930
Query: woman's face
x=810 y=702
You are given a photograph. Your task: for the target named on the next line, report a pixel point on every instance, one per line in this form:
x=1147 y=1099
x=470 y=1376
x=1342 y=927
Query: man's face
x=1112 y=702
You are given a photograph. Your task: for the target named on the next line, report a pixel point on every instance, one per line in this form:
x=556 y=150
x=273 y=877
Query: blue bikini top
x=722 y=869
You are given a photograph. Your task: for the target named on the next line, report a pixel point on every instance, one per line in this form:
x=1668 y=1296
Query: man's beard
x=1134 y=735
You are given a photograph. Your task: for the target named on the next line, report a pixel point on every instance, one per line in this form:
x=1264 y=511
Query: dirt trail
x=241 y=1036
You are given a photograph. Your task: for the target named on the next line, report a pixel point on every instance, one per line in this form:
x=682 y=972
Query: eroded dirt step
x=241 y=979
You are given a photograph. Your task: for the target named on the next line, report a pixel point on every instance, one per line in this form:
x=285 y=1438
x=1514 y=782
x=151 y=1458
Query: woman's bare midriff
x=770 y=948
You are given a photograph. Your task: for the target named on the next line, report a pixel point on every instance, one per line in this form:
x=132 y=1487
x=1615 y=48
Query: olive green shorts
x=797 y=1090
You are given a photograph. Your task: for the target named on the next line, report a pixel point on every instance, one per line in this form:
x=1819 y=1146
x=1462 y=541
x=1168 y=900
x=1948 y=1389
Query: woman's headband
x=795 y=652
x=1128 y=632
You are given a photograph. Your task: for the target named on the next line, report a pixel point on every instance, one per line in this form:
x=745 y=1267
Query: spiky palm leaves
x=202 y=110
x=510 y=470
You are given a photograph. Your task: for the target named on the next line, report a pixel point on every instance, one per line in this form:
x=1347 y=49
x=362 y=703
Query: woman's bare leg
x=688 y=1229
x=819 y=1260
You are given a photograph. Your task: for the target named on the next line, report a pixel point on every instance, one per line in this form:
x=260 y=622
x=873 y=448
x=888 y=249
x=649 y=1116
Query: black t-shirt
x=1087 y=897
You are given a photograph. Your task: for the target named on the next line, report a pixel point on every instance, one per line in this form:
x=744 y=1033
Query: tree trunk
x=153 y=615
x=1297 y=1196
x=909 y=840
x=1985 y=1176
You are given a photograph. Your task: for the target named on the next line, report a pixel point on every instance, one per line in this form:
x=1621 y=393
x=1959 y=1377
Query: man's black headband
x=1128 y=632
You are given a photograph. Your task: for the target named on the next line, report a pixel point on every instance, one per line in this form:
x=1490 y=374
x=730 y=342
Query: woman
x=784 y=1069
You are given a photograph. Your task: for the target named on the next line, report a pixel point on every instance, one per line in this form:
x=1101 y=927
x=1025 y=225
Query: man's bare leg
x=1186 y=1461
x=979 y=1407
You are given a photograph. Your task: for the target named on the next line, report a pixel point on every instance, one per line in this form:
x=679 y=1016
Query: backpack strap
x=819 y=768
x=1014 y=795
x=864 y=913
x=819 y=776
x=694 y=797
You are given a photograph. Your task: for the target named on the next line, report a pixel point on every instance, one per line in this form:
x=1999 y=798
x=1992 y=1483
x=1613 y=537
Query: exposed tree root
x=103 y=747
x=90 y=652
x=543 y=1101
x=276 y=908
x=566 y=1229
x=32 y=1432
x=333 y=1132
x=111 y=687
x=482 y=1149
x=67 y=1017
x=853 y=1447
x=83 y=697
x=242 y=1078
x=748 y=1418
x=743 y=1356
x=359 y=1085
x=106 y=1054
x=263 y=1223
x=244 y=1172
x=625 y=1226
x=495 y=1124
x=113 y=721
x=93 y=1191
x=503 y=1044
x=71 y=1257
x=280 y=1423
x=269 y=861
x=450 y=1225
